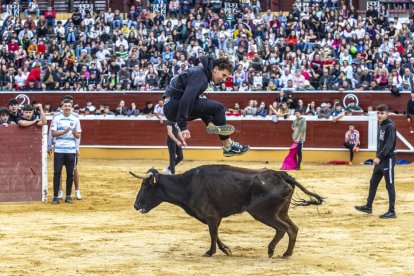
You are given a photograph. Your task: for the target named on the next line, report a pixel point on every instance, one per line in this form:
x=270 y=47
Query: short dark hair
x=298 y=111
x=382 y=108
x=13 y=101
x=4 y=110
x=67 y=97
x=66 y=101
x=223 y=64
x=27 y=107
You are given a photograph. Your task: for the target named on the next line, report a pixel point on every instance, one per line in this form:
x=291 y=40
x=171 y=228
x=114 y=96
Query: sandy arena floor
x=104 y=235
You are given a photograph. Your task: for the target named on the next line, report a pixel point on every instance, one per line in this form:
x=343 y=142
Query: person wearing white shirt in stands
x=66 y=129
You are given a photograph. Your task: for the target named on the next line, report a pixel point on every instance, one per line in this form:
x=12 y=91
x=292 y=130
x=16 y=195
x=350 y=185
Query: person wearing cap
x=324 y=112
x=384 y=163
x=14 y=113
x=5 y=117
x=29 y=120
x=183 y=103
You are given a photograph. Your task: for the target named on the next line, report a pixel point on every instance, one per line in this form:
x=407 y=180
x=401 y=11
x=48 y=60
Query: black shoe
x=364 y=208
x=68 y=200
x=55 y=200
x=235 y=149
x=388 y=215
x=224 y=130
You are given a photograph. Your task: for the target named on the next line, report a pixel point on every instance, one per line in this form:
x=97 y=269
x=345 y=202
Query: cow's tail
x=314 y=199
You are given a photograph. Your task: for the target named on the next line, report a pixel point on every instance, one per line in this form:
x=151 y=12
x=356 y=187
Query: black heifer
x=210 y=193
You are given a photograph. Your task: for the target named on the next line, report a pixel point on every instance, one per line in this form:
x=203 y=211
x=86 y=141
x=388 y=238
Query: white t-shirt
x=67 y=142
x=20 y=80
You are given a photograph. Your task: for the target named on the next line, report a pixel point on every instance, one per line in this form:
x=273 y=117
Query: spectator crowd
x=326 y=46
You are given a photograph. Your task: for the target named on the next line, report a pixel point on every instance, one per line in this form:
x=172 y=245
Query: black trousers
x=204 y=109
x=351 y=150
x=300 y=148
x=68 y=160
x=176 y=155
x=384 y=169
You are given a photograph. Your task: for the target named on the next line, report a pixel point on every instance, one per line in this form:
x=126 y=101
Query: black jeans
x=300 y=148
x=176 y=155
x=204 y=109
x=384 y=169
x=68 y=160
x=351 y=150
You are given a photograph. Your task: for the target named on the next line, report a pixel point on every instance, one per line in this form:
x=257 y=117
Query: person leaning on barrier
x=14 y=112
x=5 y=118
x=29 y=120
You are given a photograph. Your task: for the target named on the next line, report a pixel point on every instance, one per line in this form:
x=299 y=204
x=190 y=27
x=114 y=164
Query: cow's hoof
x=287 y=254
x=208 y=254
x=226 y=250
x=270 y=253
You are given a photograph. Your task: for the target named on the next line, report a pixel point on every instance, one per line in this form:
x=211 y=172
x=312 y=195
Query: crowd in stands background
x=328 y=46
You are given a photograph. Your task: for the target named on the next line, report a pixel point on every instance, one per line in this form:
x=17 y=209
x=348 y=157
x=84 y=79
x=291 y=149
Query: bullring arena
x=290 y=56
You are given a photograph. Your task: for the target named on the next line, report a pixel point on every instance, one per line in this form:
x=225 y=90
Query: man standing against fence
x=384 y=163
x=66 y=129
x=175 y=149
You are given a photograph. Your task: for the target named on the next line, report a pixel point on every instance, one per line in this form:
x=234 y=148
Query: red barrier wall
x=262 y=133
x=20 y=163
x=228 y=99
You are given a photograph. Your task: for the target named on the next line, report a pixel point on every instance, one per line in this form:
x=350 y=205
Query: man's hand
x=77 y=153
x=409 y=120
x=179 y=143
x=66 y=130
x=50 y=152
x=376 y=161
x=184 y=135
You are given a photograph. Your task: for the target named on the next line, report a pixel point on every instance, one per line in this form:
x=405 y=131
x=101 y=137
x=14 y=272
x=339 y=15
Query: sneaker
x=78 y=195
x=55 y=200
x=68 y=200
x=166 y=171
x=235 y=149
x=220 y=130
x=60 y=194
x=364 y=208
x=388 y=215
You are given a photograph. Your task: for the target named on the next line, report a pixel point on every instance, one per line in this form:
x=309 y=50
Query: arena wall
x=21 y=172
x=112 y=98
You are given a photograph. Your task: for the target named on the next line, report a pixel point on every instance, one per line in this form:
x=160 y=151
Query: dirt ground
x=103 y=234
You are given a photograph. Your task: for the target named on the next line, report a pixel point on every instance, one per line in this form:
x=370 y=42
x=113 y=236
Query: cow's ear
x=155 y=179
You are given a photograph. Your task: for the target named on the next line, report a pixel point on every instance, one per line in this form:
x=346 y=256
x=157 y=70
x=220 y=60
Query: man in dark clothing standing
x=410 y=110
x=175 y=149
x=384 y=163
x=183 y=103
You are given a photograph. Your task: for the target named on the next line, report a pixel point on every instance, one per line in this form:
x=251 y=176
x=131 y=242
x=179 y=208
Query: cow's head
x=149 y=196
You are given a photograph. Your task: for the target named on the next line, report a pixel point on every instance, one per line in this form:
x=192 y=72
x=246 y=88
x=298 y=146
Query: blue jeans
x=116 y=23
x=51 y=22
x=132 y=22
x=71 y=37
x=26 y=13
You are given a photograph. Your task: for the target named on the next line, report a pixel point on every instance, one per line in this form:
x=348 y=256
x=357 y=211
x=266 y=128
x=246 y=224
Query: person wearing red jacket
x=50 y=16
x=34 y=74
x=13 y=46
x=41 y=47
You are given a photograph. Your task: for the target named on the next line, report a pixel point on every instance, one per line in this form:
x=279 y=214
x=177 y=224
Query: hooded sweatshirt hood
x=207 y=65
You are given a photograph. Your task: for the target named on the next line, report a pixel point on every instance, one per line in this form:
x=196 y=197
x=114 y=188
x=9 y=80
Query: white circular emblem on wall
x=350 y=97
x=23 y=99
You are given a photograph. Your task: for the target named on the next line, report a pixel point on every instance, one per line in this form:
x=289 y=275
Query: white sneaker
x=78 y=195
x=60 y=194
x=166 y=171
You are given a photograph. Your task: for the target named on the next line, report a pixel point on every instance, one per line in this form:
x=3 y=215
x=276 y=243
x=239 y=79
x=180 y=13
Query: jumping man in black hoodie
x=384 y=163
x=182 y=102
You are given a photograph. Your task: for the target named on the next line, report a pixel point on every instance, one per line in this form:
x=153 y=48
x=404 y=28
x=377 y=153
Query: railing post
x=372 y=130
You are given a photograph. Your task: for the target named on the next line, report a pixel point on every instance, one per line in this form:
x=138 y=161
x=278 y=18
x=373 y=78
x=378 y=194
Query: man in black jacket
x=410 y=109
x=183 y=102
x=384 y=163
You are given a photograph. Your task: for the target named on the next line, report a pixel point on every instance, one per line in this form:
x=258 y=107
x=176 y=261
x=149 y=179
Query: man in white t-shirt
x=20 y=79
x=66 y=129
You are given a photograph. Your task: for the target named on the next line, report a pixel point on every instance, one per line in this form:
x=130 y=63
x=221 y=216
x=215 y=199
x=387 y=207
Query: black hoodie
x=387 y=140
x=187 y=86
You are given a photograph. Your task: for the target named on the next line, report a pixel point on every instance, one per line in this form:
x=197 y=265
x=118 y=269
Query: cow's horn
x=142 y=176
